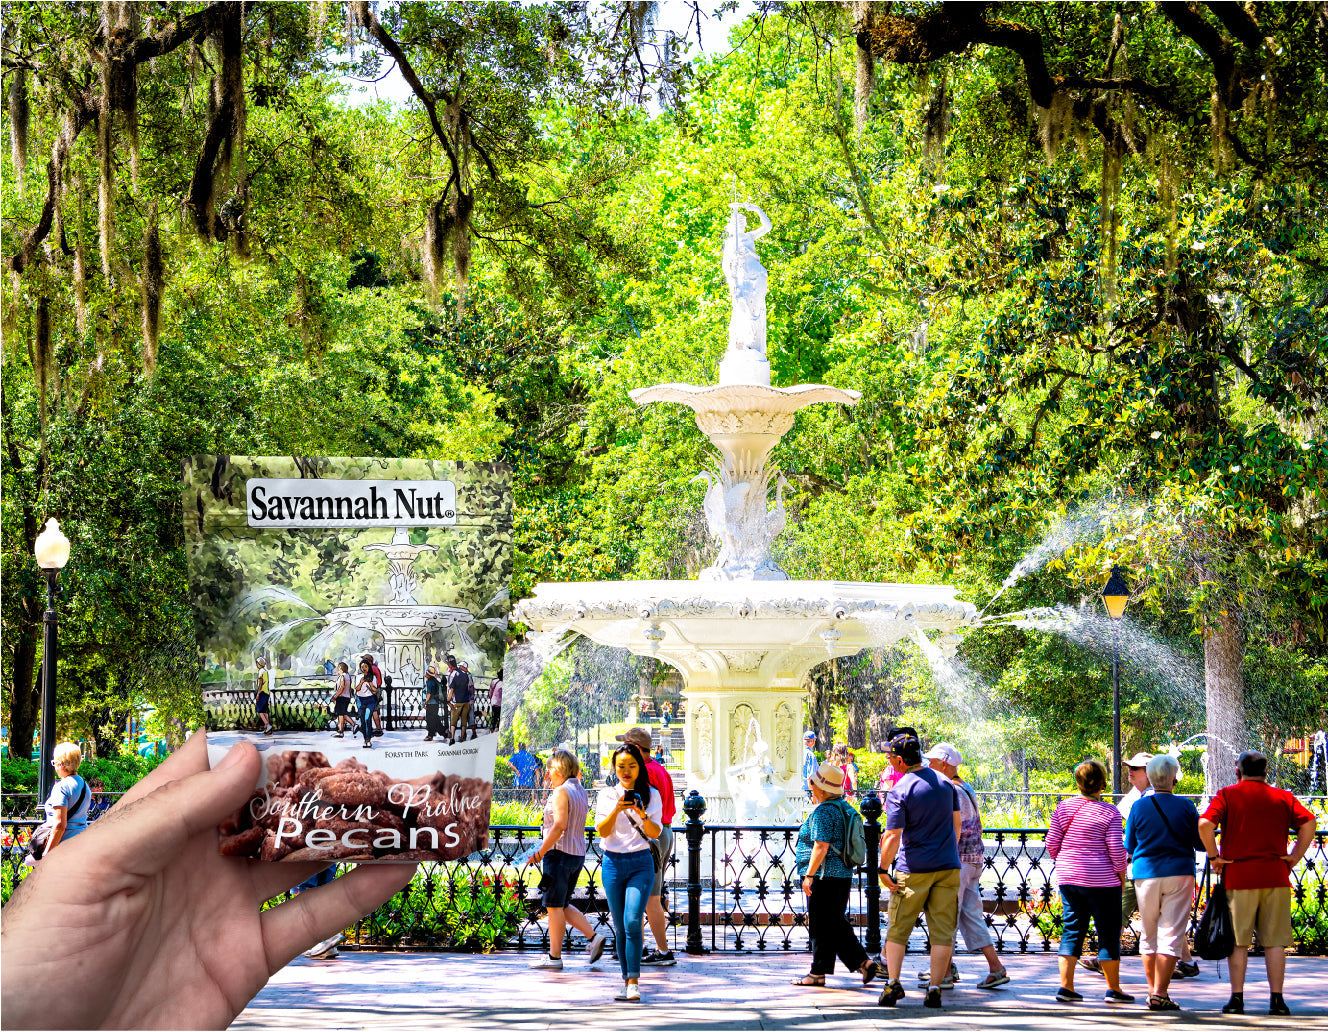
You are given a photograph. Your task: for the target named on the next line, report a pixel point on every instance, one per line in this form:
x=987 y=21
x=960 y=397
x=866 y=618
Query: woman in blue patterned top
x=826 y=881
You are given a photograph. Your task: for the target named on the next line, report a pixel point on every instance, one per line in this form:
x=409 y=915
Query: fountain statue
x=757 y=800
x=745 y=359
x=744 y=636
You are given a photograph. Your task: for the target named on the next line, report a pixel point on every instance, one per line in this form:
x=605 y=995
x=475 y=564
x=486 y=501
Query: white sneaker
x=546 y=963
x=325 y=949
x=629 y=993
x=595 y=948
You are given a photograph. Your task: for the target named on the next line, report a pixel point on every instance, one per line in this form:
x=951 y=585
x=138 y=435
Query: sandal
x=810 y=980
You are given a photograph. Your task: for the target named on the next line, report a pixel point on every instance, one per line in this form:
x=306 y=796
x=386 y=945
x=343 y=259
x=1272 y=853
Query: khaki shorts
x=1268 y=910
x=665 y=847
x=461 y=715
x=935 y=893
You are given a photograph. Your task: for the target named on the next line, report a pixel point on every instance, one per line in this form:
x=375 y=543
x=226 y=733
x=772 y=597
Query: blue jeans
x=628 y=878
x=367 y=705
x=1103 y=905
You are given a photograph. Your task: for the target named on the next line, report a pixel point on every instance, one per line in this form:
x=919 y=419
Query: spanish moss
x=1054 y=122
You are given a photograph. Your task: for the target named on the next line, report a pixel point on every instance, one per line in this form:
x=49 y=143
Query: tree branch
x=1191 y=24
x=366 y=17
x=1238 y=22
x=177 y=33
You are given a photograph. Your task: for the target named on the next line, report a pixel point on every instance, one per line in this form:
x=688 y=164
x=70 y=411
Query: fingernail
x=230 y=759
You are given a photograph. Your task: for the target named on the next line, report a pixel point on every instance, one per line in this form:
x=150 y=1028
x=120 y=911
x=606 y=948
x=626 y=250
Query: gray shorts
x=666 y=851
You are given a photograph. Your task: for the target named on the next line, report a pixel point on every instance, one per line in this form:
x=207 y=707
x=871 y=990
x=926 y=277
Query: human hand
x=163 y=930
x=807 y=882
x=1218 y=863
x=889 y=882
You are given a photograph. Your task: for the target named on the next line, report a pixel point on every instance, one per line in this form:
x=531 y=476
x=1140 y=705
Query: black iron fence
x=307 y=707
x=1039 y=806
x=727 y=889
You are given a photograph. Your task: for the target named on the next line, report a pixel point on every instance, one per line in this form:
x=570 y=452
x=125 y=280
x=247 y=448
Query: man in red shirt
x=661 y=782
x=1255 y=819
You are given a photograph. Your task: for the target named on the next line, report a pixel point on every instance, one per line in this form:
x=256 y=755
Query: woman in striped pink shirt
x=1086 y=842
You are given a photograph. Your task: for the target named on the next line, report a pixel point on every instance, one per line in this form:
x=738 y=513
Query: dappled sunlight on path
x=717 y=994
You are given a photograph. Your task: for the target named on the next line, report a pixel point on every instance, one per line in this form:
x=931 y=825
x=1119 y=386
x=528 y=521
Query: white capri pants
x=971 y=921
x=1164 y=909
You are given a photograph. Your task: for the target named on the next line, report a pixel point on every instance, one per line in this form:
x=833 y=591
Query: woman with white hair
x=1161 y=838
x=67 y=807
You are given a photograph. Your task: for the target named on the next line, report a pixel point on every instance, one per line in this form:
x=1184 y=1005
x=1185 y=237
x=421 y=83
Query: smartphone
x=632 y=798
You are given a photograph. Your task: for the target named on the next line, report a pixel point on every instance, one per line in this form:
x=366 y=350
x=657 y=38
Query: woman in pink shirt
x=1085 y=839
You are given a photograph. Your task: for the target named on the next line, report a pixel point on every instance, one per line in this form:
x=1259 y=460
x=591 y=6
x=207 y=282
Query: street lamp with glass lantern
x=52 y=551
x=1115 y=596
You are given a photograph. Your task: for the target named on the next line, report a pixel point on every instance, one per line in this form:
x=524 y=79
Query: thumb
x=142 y=837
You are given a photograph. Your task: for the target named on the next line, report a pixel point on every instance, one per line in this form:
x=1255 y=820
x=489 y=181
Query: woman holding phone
x=627 y=818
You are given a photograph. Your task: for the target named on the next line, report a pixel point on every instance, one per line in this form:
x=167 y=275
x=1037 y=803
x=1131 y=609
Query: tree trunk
x=877 y=726
x=24 y=693
x=1224 y=699
x=859 y=716
x=820 y=686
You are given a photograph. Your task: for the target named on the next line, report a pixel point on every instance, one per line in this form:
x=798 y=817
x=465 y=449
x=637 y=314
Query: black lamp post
x=52 y=551
x=1115 y=596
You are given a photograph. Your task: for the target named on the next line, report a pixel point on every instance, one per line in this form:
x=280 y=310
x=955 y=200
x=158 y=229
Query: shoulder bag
x=42 y=833
x=1215 y=938
x=656 y=847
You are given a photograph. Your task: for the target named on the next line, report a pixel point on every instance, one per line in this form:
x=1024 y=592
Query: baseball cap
x=1139 y=759
x=808 y=734
x=906 y=747
x=946 y=753
x=637 y=736
x=829 y=778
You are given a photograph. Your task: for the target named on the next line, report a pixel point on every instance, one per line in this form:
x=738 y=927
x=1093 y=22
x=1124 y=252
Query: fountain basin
x=744 y=648
x=753 y=633
x=403 y=629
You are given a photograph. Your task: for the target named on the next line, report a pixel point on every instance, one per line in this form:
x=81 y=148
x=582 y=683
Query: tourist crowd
x=1110 y=860
x=151 y=881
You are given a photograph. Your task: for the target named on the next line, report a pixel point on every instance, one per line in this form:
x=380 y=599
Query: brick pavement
x=722 y=993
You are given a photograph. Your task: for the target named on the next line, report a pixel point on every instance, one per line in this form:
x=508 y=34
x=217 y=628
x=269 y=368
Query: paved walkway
x=717 y=994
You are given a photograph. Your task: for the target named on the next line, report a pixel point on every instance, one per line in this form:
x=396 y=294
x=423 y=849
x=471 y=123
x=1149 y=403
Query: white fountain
x=744 y=636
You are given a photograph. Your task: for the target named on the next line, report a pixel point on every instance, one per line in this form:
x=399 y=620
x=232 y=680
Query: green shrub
x=517 y=814
x=18 y=775
x=119 y=773
x=870 y=765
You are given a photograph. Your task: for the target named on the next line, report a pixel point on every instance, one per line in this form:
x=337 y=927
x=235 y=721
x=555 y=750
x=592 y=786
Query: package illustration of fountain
x=744 y=635
x=403 y=624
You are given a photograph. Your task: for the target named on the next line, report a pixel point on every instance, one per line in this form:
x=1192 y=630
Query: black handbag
x=1215 y=938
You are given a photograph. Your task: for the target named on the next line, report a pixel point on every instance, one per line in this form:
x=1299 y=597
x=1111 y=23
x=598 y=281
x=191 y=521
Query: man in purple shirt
x=922 y=823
